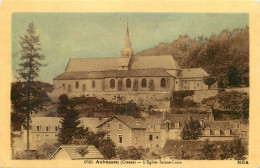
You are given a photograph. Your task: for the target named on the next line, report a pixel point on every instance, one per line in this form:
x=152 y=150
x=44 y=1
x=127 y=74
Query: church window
x=144 y=83
x=112 y=83
x=151 y=84
x=128 y=83
x=69 y=88
x=93 y=84
x=77 y=85
x=163 y=82
x=120 y=84
x=83 y=87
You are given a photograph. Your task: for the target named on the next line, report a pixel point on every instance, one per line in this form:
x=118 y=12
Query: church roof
x=113 y=74
x=150 y=62
x=193 y=73
x=96 y=64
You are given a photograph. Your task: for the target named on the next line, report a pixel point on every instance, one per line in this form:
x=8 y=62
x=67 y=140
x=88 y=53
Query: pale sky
x=92 y=35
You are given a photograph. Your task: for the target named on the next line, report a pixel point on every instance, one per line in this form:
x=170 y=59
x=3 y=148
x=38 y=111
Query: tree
x=234 y=150
x=107 y=148
x=191 y=130
x=207 y=151
x=29 y=68
x=208 y=80
x=70 y=126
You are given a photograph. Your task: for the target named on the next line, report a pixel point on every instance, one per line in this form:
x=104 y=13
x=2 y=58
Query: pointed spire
x=127 y=51
x=127 y=38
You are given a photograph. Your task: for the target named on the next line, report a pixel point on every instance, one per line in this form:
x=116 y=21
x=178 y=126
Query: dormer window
x=217 y=131
x=177 y=125
x=167 y=126
x=207 y=131
x=227 y=131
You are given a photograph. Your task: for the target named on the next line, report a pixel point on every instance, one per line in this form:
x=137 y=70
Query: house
x=71 y=152
x=128 y=131
x=45 y=129
x=172 y=124
x=130 y=75
x=220 y=130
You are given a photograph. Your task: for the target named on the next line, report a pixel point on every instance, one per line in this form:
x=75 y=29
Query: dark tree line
x=224 y=56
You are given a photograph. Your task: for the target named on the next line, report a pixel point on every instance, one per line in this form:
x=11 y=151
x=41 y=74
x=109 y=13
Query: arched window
x=77 y=85
x=69 y=88
x=112 y=83
x=151 y=84
x=119 y=85
x=93 y=84
x=163 y=82
x=144 y=83
x=83 y=87
x=128 y=83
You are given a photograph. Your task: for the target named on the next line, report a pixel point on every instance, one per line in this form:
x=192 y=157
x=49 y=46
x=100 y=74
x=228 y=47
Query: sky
x=95 y=35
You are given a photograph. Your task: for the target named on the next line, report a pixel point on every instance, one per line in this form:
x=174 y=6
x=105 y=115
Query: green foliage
x=234 y=150
x=82 y=151
x=234 y=101
x=130 y=152
x=19 y=101
x=46 y=150
x=191 y=130
x=209 y=80
x=70 y=125
x=207 y=152
x=178 y=99
x=216 y=54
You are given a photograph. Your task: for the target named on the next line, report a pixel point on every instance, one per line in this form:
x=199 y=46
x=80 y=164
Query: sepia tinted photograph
x=130 y=86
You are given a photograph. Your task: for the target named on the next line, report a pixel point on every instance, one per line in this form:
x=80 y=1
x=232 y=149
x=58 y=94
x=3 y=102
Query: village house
x=127 y=131
x=45 y=129
x=139 y=78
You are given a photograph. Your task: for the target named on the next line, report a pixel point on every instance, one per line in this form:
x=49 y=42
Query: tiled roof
x=71 y=150
x=92 y=123
x=193 y=73
x=113 y=74
x=95 y=64
x=222 y=125
x=133 y=123
x=182 y=118
x=150 y=62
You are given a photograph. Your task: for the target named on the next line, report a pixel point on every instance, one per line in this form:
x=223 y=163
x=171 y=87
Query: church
x=127 y=74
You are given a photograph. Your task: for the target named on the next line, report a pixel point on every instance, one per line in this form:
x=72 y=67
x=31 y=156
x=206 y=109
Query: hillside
x=224 y=56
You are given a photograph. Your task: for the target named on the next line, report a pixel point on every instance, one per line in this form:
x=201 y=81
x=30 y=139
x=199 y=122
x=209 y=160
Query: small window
x=38 y=128
x=47 y=128
x=83 y=88
x=157 y=137
x=198 y=84
x=120 y=138
x=56 y=128
x=108 y=136
x=144 y=83
x=69 y=88
x=120 y=126
x=128 y=83
x=167 y=126
x=77 y=85
x=112 y=83
x=217 y=132
x=150 y=137
x=163 y=82
x=93 y=84
x=227 y=132
x=177 y=125
x=151 y=84
x=207 y=132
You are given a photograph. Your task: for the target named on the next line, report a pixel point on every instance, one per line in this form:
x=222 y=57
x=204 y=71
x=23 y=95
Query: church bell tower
x=127 y=51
